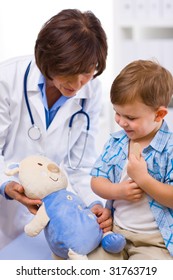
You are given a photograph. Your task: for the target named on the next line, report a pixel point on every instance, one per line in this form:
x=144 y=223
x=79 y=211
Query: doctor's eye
x=40 y=164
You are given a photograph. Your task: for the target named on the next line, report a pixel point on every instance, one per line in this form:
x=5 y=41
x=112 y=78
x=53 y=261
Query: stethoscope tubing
x=38 y=132
x=34 y=132
x=77 y=113
x=25 y=93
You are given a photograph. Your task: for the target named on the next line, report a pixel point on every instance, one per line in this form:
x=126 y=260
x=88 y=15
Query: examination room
x=86 y=104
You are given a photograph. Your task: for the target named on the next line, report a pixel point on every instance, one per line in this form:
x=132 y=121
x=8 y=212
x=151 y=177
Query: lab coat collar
x=33 y=77
x=65 y=112
x=70 y=107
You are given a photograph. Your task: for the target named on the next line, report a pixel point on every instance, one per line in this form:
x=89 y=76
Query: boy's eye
x=131 y=118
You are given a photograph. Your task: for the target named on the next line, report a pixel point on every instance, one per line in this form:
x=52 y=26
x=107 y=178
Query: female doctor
x=41 y=99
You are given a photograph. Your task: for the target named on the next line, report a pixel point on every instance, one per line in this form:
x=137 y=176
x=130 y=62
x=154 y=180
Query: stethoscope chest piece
x=34 y=133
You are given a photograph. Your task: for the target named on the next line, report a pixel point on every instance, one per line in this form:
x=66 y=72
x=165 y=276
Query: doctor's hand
x=104 y=217
x=16 y=191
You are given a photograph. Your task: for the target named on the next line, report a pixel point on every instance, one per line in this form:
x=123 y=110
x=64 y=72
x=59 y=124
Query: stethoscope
x=34 y=132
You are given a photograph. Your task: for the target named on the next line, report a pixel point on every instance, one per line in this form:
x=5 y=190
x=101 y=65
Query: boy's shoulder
x=165 y=135
x=163 y=140
x=117 y=143
x=118 y=134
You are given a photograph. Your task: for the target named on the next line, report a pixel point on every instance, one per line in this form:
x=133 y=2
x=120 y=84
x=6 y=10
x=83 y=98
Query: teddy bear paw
x=113 y=242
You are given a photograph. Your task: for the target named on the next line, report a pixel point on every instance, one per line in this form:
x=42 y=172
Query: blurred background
x=136 y=29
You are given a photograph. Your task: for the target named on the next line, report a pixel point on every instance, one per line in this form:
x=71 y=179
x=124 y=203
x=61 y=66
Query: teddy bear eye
x=40 y=164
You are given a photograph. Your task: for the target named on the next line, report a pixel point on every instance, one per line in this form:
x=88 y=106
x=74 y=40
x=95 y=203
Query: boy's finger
x=136 y=150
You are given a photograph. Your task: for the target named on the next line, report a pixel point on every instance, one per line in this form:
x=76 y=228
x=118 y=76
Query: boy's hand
x=130 y=191
x=136 y=150
x=104 y=217
x=137 y=167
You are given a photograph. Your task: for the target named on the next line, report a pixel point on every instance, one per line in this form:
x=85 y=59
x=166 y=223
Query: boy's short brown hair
x=144 y=80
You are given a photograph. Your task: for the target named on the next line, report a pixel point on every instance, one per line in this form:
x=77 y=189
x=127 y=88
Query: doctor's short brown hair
x=143 y=80
x=71 y=42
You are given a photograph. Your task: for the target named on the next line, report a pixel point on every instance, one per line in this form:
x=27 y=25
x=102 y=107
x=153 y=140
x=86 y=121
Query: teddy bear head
x=39 y=176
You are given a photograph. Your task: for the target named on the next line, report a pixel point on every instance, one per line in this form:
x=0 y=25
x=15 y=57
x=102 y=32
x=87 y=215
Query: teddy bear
x=70 y=227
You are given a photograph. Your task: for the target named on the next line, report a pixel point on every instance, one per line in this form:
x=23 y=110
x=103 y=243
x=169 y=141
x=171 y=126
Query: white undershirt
x=134 y=216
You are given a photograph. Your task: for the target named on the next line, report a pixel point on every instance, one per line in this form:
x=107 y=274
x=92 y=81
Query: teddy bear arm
x=38 y=223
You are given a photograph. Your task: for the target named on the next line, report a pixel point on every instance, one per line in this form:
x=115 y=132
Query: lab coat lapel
x=65 y=112
x=34 y=95
x=36 y=102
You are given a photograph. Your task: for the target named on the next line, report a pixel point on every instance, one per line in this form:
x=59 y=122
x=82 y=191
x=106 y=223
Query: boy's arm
x=126 y=190
x=161 y=192
x=103 y=187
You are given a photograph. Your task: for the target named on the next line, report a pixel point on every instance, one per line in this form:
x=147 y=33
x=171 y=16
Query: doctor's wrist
x=2 y=190
x=96 y=203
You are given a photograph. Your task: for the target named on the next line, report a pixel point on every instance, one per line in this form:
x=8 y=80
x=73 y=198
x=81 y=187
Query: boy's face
x=138 y=120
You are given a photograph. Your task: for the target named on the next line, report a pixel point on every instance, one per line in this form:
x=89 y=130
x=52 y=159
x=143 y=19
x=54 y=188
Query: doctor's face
x=70 y=85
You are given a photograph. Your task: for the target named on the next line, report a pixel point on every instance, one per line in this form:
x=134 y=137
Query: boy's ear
x=161 y=113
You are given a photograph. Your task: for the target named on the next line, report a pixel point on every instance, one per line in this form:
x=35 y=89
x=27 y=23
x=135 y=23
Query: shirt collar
x=58 y=103
x=41 y=85
x=41 y=80
x=158 y=143
x=161 y=138
x=119 y=134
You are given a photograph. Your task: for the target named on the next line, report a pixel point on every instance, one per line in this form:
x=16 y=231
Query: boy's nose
x=123 y=123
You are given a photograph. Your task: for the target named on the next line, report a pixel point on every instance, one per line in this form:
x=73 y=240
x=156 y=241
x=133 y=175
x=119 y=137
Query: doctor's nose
x=78 y=81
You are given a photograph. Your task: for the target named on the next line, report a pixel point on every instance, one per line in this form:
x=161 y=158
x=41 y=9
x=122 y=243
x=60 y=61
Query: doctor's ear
x=161 y=113
x=12 y=169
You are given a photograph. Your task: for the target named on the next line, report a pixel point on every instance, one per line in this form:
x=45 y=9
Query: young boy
x=140 y=187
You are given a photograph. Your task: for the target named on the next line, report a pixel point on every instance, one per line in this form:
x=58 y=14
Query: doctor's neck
x=52 y=93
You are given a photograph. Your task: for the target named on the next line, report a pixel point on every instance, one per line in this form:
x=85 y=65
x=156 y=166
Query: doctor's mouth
x=70 y=92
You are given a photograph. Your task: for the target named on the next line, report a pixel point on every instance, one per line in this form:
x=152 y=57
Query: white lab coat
x=15 y=143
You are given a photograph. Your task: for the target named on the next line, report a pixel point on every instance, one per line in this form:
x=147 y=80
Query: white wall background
x=20 y=21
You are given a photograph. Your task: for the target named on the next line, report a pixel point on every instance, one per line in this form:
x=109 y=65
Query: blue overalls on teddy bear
x=71 y=229
x=80 y=224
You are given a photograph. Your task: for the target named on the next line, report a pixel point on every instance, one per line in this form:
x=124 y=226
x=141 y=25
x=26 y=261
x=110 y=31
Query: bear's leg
x=75 y=256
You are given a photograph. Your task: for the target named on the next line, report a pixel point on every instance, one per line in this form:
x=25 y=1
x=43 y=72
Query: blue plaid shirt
x=159 y=158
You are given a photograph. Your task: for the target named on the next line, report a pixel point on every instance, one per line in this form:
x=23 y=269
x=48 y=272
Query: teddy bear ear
x=12 y=169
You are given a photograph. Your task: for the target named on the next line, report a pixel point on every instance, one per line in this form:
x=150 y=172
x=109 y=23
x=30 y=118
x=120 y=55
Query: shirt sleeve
x=2 y=190
x=102 y=167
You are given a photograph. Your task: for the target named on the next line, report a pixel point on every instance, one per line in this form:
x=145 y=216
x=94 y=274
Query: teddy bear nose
x=53 y=168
